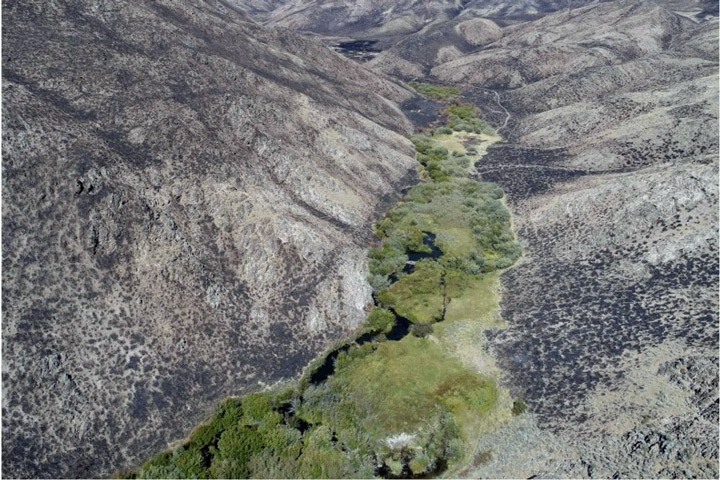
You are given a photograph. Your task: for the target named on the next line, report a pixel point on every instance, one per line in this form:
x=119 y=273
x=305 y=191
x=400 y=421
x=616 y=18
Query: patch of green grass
x=410 y=387
x=455 y=143
x=463 y=111
x=436 y=92
x=476 y=301
x=419 y=297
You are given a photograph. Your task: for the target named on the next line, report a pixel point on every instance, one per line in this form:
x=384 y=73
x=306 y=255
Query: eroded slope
x=187 y=199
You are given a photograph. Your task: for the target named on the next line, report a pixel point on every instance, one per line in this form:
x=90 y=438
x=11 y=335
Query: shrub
x=319 y=458
x=378 y=282
x=519 y=407
x=422 y=143
x=379 y=320
x=190 y=461
x=256 y=407
x=421 y=330
x=167 y=470
x=463 y=111
x=419 y=464
x=386 y=260
x=267 y=464
x=235 y=447
x=437 y=92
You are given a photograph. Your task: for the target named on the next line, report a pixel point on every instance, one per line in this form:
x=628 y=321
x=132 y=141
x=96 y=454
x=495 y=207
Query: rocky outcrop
x=187 y=200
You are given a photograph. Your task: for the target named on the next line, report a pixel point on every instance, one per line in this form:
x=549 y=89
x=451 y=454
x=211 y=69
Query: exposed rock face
x=187 y=199
x=611 y=169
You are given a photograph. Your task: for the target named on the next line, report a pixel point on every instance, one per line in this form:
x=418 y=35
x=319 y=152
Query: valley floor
x=415 y=392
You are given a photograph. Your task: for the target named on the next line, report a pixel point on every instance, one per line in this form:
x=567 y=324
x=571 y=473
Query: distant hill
x=386 y=18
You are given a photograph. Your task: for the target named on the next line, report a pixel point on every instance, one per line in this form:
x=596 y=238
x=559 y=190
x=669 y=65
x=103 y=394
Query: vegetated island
x=408 y=397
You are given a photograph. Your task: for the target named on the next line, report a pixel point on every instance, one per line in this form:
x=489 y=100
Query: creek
x=401 y=327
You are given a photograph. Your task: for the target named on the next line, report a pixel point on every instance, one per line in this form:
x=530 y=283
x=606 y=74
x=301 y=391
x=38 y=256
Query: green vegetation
x=419 y=297
x=390 y=402
x=462 y=117
x=438 y=164
x=232 y=443
x=380 y=320
x=407 y=404
x=471 y=225
x=400 y=403
x=436 y=92
x=519 y=407
x=421 y=330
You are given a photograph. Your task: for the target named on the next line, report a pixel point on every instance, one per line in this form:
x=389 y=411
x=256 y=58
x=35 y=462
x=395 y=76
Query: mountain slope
x=416 y=54
x=386 y=18
x=566 y=42
x=187 y=199
x=473 y=48
x=610 y=164
x=382 y=17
